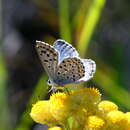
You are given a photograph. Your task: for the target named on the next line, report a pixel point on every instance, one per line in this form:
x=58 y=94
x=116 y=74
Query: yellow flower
x=84 y=102
x=41 y=113
x=106 y=106
x=83 y=108
x=128 y=119
x=55 y=128
x=86 y=98
x=86 y=94
x=94 y=123
x=80 y=117
x=60 y=105
x=116 y=120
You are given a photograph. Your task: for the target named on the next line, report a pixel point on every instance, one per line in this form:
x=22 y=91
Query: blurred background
x=99 y=29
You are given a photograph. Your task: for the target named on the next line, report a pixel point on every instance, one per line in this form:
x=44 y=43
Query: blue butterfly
x=63 y=64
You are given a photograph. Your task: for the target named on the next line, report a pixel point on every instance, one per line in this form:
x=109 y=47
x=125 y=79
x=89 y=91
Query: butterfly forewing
x=70 y=71
x=48 y=56
x=65 y=50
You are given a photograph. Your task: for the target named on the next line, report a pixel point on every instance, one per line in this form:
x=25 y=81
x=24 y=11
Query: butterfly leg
x=67 y=91
x=53 y=89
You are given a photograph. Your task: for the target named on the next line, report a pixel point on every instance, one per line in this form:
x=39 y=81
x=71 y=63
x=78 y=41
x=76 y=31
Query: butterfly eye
x=48 y=82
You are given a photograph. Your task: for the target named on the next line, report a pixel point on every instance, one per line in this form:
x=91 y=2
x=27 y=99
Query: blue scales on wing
x=65 y=50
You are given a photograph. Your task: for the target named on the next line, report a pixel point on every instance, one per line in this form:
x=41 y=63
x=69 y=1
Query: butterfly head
x=51 y=83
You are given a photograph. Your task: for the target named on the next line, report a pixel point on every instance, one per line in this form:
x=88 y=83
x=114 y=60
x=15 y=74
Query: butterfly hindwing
x=48 y=56
x=69 y=71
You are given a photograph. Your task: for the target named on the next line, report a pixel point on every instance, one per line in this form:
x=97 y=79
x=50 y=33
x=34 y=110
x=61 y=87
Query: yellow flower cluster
x=82 y=109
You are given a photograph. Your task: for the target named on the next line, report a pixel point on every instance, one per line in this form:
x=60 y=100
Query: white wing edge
x=90 y=69
x=39 y=42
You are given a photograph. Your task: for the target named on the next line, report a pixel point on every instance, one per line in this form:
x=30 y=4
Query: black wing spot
x=92 y=71
x=43 y=51
x=60 y=66
x=50 y=59
x=55 y=59
x=45 y=60
x=51 y=51
x=67 y=77
x=83 y=67
x=92 y=63
x=73 y=79
x=55 y=54
x=65 y=69
x=48 y=55
x=79 y=75
x=83 y=75
x=63 y=48
x=73 y=50
x=58 y=73
x=61 y=42
x=73 y=69
x=83 y=71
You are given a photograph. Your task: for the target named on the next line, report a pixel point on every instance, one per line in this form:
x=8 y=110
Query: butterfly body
x=63 y=64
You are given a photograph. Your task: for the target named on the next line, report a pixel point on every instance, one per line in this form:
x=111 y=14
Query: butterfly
x=63 y=64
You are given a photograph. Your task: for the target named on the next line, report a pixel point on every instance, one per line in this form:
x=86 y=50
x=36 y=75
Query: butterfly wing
x=69 y=71
x=48 y=56
x=65 y=50
x=90 y=69
x=74 y=70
